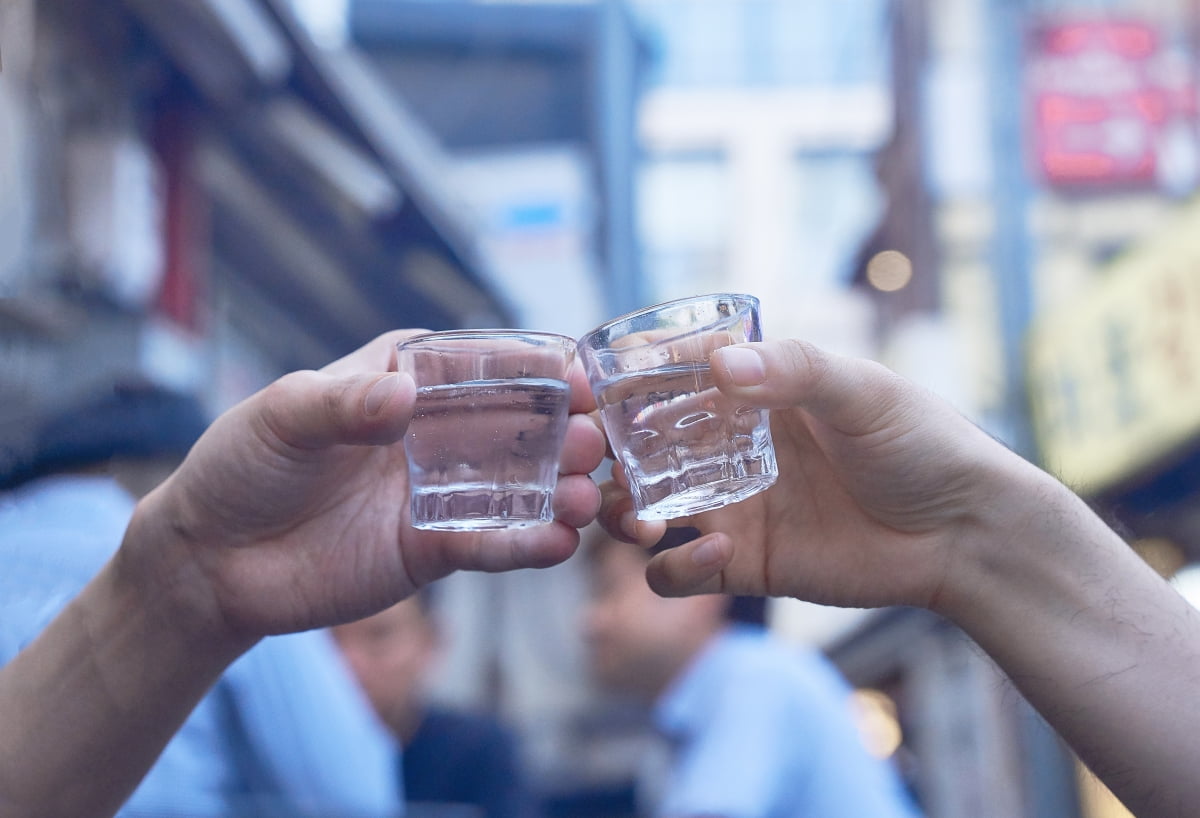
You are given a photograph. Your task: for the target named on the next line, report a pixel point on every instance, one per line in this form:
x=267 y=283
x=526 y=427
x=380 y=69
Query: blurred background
x=994 y=197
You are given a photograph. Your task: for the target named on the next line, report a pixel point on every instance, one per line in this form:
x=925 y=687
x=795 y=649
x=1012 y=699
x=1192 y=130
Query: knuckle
x=286 y=386
x=334 y=404
x=283 y=393
x=806 y=359
x=278 y=400
x=887 y=383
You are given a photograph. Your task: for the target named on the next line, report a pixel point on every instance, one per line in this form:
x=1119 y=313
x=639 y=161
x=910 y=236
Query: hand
x=879 y=484
x=291 y=511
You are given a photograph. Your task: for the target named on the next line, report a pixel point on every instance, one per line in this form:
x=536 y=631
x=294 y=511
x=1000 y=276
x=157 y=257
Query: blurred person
x=756 y=728
x=286 y=515
x=451 y=758
x=888 y=496
x=285 y=731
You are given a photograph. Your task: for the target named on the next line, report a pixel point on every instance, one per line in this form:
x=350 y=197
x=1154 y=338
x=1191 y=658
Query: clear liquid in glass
x=484 y=454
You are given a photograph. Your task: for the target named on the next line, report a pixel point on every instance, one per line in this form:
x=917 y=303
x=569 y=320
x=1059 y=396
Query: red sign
x=1104 y=96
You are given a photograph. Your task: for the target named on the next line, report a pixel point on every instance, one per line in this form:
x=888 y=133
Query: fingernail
x=383 y=389
x=629 y=525
x=745 y=366
x=707 y=552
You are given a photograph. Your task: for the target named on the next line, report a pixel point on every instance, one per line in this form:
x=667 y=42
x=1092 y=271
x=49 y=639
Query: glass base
x=707 y=497
x=477 y=525
x=481 y=508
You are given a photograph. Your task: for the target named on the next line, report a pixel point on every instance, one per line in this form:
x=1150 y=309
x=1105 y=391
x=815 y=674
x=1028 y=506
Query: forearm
x=1093 y=637
x=89 y=705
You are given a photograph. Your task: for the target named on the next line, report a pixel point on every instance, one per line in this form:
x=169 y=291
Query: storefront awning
x=325 y=190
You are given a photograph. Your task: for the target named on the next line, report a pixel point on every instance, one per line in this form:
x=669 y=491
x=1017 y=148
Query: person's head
x=391 y=654
x=136 y=431
x=638 y=641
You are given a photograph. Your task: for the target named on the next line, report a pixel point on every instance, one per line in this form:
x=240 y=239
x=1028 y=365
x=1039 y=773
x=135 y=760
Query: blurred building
x=1114 y=219
x=1114 y=373
x=535 y=105
x=197 y=193
x=1042 y=231
x=757 y=132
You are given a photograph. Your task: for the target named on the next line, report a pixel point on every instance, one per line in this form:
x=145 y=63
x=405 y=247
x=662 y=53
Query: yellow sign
x=1115 y=377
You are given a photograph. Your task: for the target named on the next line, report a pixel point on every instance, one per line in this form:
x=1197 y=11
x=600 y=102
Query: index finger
x=582 y=400
x=377 y=355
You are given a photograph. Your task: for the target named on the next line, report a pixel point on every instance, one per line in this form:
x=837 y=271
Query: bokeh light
x=889 y=271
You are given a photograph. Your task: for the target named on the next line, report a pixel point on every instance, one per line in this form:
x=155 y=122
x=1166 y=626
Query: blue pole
x=616 y=79
x=1011 y=255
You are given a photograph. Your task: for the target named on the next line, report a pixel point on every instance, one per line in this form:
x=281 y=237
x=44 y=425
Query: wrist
x=1026 y=538
x=160 y=567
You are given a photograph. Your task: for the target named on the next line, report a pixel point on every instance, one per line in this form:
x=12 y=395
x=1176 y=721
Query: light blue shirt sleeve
x=286 y=731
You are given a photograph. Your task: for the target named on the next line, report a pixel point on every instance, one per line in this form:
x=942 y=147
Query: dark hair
x=745 y=610
x=134 y=419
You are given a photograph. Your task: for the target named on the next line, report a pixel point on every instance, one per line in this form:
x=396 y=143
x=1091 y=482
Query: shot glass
x=685 y=447
x=488 y=427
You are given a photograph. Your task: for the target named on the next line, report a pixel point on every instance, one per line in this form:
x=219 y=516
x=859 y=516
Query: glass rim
x=482 y=334
x=675 y=302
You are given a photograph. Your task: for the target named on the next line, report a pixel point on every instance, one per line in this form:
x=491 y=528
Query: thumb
x=315 y=410
x=697 y=567
x=844 y=392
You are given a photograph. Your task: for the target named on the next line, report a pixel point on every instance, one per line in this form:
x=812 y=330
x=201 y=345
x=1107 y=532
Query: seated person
x=451 y=759
x=757 y=728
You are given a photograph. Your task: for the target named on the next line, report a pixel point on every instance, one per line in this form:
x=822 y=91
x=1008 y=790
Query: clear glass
x=685 y=447
x=488 y=428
